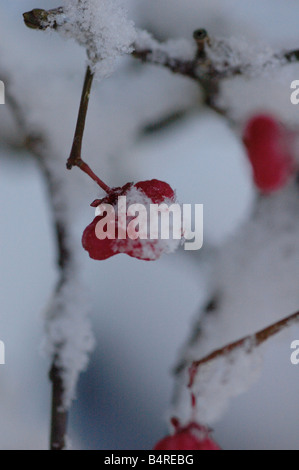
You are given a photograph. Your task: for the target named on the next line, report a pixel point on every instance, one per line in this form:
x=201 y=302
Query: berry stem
x=84 y=167
x=75 y=158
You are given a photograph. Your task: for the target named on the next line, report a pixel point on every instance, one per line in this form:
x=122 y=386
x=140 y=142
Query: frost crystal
x=102 y=27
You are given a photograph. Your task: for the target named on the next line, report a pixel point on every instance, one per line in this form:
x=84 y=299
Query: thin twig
x=43 y=19
x=75 y=158
x=251 y=342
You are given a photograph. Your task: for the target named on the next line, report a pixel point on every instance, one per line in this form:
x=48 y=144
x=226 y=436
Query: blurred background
x=141 y=312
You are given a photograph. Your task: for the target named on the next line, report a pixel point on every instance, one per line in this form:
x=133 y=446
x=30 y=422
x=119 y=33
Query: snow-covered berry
x=143 y=248
x=268 y=148
x=191 y=437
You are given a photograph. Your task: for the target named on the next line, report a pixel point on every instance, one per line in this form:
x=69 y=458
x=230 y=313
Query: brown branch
x=75 y=158
x=59 y=415
x=181 y=67
x=250 y=342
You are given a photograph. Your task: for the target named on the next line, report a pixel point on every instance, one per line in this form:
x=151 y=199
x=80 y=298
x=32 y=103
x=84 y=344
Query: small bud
x=42 y=19
x=201 y=38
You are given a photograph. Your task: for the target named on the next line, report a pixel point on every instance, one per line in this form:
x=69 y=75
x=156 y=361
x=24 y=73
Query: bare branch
x=75 y=158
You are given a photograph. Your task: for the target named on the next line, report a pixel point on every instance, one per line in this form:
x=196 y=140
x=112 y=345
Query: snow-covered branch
x=229 y=371
x=68 y=337
x=249 y=343
x=106 y=33
x=179 y=56
x=213 y=58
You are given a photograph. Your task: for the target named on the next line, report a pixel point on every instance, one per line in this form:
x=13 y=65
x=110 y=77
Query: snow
x=102 y=27
x=69 y=335
x=173 y=49
x=220 y=380
x=150 y=249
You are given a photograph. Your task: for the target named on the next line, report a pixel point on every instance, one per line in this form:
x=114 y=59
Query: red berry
x=191 y=437
x=98 y=249
x=268 y=148
x=154 y=192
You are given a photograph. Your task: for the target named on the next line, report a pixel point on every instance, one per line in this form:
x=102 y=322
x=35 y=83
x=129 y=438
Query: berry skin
x=267 y=144
x=155 y=192
x=97 y=249
x=191 y=437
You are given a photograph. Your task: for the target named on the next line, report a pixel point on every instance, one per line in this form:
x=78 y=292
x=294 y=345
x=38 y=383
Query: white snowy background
x=141 y=312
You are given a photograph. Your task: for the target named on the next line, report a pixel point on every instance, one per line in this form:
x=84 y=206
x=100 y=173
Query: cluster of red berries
x=156 y=192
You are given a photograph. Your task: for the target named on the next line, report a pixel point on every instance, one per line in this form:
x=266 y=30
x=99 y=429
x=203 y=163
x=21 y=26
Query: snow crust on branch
x=173 y=49
x=225 y=377
x=102 y=27
x=229 y=54
x=69 y=334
